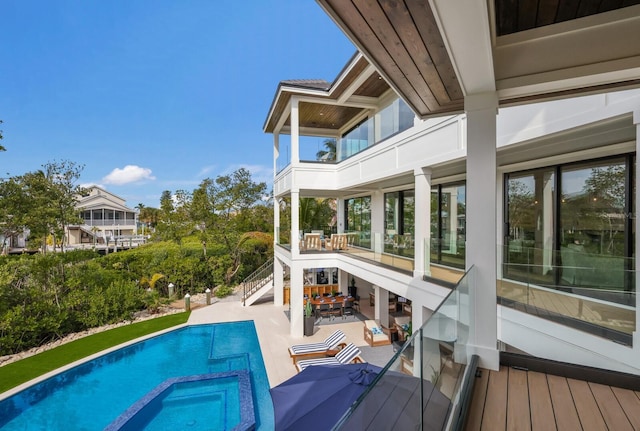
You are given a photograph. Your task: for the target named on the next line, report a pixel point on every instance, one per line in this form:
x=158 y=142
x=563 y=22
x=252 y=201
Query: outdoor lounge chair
x=349 y=354
x=374 y=334
x=314 y=349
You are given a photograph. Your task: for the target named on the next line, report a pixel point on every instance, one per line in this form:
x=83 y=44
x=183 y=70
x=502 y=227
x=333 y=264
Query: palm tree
x=329 y=153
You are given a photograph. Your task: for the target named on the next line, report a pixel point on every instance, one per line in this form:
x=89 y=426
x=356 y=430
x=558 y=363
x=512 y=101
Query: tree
x=149 y=216
x=203 y=211
x=233 y=196
x=13 y=205
x=174 y=222
x=44 y=201
x=315 y=213
x=1 y=147
x=329 y=153
x=63 y=194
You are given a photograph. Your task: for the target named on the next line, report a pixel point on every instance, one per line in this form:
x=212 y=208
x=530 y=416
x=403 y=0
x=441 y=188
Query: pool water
x=92 y=395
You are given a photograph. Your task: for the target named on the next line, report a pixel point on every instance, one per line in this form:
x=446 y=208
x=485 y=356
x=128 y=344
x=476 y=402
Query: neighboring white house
x=538 y=198
x=106 y=219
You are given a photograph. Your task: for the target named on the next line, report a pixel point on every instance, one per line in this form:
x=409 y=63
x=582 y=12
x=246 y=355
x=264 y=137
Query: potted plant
x=309 y=319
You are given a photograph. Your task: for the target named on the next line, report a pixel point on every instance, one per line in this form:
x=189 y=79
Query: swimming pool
x=92 y=395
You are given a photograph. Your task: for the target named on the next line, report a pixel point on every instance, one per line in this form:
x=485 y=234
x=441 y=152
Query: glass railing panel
x=317 y=149
x=373 y=248
x=592 y=292
x=284 y=152
x=283 y=236
x=436 y=269
x=356 y=140
x=420 y=386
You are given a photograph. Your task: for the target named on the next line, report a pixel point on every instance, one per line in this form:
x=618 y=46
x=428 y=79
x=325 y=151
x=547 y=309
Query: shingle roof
x=316 y=84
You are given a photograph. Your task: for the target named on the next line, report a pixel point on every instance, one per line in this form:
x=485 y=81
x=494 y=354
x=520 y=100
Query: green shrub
x=222 y=291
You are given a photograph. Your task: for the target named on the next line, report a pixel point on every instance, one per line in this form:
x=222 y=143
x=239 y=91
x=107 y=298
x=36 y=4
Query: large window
x=568 y=227
x=399 y=216
x=393 y=119
x=448 y=223
x=358 y=220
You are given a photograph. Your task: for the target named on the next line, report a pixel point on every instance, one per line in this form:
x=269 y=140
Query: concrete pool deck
x=272 y=326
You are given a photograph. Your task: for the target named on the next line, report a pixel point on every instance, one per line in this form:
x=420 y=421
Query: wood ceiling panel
x=317 y=115
x=359 y=28
x=547 y=11
x=518 y=15
x=607 y=5
x=588 y=7
x=358 y=68
x=399 y=17
x=567 y=10
x=506 y=20
x=379 y=23
x=527 y=11
x=374 y=86
x=428 y=28
x=278 y=110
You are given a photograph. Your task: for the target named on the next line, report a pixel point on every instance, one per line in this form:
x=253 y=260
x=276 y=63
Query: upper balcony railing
x=113 y=222
x=370 y=246
x=428 y=381
x=393 y=119
x=595 y=293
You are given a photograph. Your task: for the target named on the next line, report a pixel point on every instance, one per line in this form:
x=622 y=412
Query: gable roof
x=326 y=107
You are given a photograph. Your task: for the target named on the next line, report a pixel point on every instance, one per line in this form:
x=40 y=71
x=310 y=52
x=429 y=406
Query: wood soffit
x=403 y=41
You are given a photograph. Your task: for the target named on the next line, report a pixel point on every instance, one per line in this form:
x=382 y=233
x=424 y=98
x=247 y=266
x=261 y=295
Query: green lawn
x=29 y=368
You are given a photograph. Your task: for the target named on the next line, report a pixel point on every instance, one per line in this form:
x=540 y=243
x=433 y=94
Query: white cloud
x=206 y=171
x=89 y=185
x=128 y=174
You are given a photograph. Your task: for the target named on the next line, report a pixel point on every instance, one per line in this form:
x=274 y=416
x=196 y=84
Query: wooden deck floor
x=514 y=399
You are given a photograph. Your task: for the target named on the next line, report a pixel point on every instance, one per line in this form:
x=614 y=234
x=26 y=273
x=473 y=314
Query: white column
x=278 y=282
x=381 y=306
x=377 y=222
x=276 y=204
x=276 y=220
x=481 y=110
x=636 y=333
x=295 y=132
x=295 y=223
x=342 y=222
x=276 y=152
x=296 y=305
x=422 y=238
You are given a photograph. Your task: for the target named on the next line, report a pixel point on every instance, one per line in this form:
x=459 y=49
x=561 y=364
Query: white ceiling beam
x=586 y=52
x=465 y=29
x=353 y=102
x=357 y=83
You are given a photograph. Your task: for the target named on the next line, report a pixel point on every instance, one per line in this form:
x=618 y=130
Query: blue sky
x=153 y=95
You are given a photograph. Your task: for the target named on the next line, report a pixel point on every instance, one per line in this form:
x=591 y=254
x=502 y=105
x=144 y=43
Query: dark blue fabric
x=317 y=397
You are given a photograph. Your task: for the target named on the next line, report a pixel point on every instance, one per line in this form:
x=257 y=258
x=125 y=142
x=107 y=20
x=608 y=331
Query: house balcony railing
x=595 y=293
x=428 y=382
x=374 y=247
x=119 y=223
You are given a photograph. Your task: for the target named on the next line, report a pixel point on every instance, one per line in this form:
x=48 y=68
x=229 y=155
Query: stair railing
x=259 y=278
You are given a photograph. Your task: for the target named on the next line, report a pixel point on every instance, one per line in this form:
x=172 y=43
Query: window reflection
x=399 y=223
x=358 y=220
x=448 y=224
x=580 y=238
